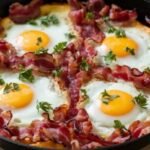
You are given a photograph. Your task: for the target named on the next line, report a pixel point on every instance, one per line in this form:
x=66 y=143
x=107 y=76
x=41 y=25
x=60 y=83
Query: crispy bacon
x=21 y=14
x=117 y=14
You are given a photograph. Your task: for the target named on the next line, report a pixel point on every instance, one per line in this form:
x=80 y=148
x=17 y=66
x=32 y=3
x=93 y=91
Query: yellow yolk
x=17 y=99
x=33 y=40
x=118 y=45
x=121 y=105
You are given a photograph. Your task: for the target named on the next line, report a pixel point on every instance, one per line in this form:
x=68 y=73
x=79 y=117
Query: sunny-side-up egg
x=44 y=32
x=23 y=101
x=121 y=107
x=132 y=50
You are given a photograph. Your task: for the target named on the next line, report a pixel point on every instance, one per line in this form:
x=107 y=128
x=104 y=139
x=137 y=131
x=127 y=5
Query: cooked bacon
x=22 y=13
x=117 y=14
x=140 y=79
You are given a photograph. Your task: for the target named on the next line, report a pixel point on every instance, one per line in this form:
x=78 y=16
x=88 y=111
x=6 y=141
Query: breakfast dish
x=74 y=76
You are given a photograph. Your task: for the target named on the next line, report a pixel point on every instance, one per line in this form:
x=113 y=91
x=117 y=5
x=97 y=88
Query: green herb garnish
x=39 y=40
x=85 y=96
x=110 y=57
x=33 y=23
x=44 y=106
x=49 y=20
x=118 y=32
x=119 y=125
x=56 y=72
x=2 y=82
x=60 y=47
x=26 y=75
x=141 y=101
x=70 y=36
x=11 y=87
x=130 y=50
x=84 y=65
x=41 y=51
x=89 y=15
x=106 y=98
x=147 y=70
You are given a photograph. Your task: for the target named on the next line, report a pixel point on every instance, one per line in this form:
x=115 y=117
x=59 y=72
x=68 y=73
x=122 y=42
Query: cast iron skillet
x=143 y=8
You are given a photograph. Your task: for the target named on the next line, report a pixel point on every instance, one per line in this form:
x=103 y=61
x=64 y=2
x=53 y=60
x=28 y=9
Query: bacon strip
x=21 y=14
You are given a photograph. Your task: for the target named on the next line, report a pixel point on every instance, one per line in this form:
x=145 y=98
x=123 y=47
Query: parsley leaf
x=26 y=75
x=2 y=82
x=85 y=96
x=110 y=57
x=118 y=125
x=44 y=106
x=49 y=20
x=89 y=15
x=41 y=51
x=84 y=65
x=141 y=101
x=56 y=72
x=39 y=40
x=118 y=32
x=147 y=70
x=106 y=98
x=70 y=36
x=130 y=50
x=60 y=47
x=111 y=29
x=11 y=87
x=32 y=22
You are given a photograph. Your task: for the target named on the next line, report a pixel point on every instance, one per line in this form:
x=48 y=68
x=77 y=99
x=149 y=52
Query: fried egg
x=122 y=107
x=23 y=102
x=132 y=50
x=40 y=33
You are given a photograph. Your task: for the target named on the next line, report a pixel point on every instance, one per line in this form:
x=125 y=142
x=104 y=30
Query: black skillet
x=143 y=9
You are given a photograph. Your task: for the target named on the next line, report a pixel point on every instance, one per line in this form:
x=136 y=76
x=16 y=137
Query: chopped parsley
x=49 y=20
x=60 y=47
x=2 y=82
x=10 y=87
x=119 y=125
x=44 y=106
x=70 y=36
x=89 y=15
x=141 y=101
x=41 y=51
x=111 y=29
x=106 y=18
x=26 y=75
x=33 y=23
x=106 y=98
x=84 y=65
x=147 y=70
x=130 y=50
x=56 y=72
x=118 y=32
x=110 y=57
x=85 y=96
x=39 y=41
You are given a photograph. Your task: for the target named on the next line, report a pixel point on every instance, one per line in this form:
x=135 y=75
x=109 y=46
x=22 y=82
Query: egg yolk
x=121 y=105
x=33 y=40
x=17 y=99
x=119 y=45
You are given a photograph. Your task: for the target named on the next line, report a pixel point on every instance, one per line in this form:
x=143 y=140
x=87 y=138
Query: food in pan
x=74 y=76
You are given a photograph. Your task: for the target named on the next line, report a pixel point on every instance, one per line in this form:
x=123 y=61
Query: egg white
x=140 y=60
x=56 y=33
x=103 y=123
x=43 y=90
